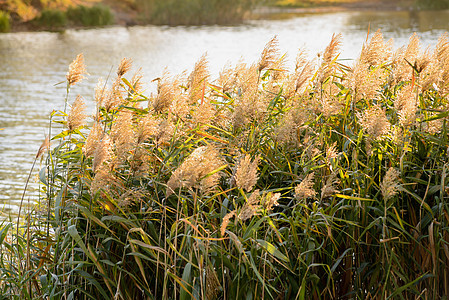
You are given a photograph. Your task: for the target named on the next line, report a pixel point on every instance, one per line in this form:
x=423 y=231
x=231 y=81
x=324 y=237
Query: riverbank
x=126 y=14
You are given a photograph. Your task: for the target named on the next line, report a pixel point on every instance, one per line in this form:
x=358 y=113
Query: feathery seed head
x=328 y=188
x=329 y=56
x=225 y=222
x=271 y=200
x=376 y=51
x=76 y=116
x=94 y=137
x=198 y=80
x=269 y=54
x=251 y=207
x=390 y=184
x=122 y=133
x=44 y=146
x=103 y=152
x=77 y=69
x=246 y=174
x=374 y=121
x=305 y=189
x=195 y=171
x=125 y=66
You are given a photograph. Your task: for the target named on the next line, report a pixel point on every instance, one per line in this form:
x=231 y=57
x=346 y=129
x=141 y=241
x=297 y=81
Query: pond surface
x=32 y=63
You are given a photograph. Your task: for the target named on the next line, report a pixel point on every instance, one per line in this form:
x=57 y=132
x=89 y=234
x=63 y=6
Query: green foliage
x=433 y=4
x=96 y=15
x=194 y=12
x=52 y=19
x=328 y=182
x=4 y=21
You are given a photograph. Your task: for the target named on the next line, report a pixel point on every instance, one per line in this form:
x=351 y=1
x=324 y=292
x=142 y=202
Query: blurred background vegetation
x=58 y=14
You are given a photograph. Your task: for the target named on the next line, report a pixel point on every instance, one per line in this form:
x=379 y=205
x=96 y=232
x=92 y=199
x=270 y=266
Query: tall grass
x=5 y=25
x=433 y=4
x=329 y=181
x=194 y=12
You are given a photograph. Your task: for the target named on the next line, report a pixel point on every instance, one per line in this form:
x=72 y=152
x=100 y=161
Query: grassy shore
x=132 y=12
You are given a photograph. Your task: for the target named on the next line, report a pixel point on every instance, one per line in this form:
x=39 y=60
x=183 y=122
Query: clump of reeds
x=323 y=182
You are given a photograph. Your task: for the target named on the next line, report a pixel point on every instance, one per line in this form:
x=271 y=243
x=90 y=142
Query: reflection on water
x=32 y=63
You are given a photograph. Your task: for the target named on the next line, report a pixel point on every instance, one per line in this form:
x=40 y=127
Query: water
x=32 y=63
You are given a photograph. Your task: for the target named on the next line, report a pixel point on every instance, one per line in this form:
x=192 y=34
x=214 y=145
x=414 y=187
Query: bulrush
x=77 y=69
x=197 y=171
x=246 y=174
x=305 y=189
x=76 y=117
x=389 y=185
x=125 y=66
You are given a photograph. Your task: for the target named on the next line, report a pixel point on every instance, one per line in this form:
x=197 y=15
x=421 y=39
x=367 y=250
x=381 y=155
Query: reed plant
x=194 y=12
x=325 y=182
x=96 y=15
x=5 y=24
x=432 y=4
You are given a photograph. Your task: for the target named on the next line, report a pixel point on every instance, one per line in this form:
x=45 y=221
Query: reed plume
x=271 y=200
x=375 y=122
x=197 y=171
x=125 y=66
x=376 y=52
x=246 y=174
x=329 y=188
x=305 y=189
x=76 y=117
x=136 y=81
x=94 y=137
x=270 y=54
x=77 y=70
x=406 y=105
x=103 y=152
x=198 y=80
x=389 y=185
x=251 y=207
x=147 y=127
x=329 y=56
x=166 y=89
x=122 y=134
x=44 y=147
x=225 y=222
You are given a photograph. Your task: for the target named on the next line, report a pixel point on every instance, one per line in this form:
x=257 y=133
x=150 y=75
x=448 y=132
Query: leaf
x=270 y=248
x=353 y=197
x=186 y=291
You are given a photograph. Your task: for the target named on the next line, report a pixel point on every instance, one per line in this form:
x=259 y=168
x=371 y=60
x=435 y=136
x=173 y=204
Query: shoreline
x=126 y=17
